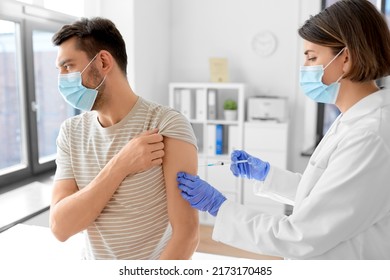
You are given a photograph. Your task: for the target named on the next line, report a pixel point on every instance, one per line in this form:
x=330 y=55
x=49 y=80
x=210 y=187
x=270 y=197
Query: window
x=12 y=136
x=49 y=106
x=31 y=108
x=386 y=10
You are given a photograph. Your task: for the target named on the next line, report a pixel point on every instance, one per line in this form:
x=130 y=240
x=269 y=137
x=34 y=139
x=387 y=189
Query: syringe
x=220 y=163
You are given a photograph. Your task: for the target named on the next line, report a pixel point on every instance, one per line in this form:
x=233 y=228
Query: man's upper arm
x=179 y=156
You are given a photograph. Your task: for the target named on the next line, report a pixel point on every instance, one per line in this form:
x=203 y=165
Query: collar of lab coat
x=367 y=105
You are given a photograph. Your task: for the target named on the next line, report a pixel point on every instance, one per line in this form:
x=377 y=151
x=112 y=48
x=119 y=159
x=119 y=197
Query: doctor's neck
x=352 y=92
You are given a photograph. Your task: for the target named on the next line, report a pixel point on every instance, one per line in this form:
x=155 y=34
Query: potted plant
x=230 y=110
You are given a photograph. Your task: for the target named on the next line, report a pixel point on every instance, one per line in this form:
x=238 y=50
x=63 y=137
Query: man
x=116 y=173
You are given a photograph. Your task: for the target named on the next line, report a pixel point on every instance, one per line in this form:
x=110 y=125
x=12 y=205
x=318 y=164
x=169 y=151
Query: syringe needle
x=234 y=162
x=212 y=164
x=220 y=163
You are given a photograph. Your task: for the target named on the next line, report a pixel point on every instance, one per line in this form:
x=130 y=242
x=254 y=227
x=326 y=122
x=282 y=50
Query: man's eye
x=66 y=67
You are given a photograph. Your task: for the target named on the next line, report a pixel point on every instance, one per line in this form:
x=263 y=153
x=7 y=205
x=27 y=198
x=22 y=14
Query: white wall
x=145 y=26
x=152 y=49
x=172 y=40
x=225 y=28
x=122 y=14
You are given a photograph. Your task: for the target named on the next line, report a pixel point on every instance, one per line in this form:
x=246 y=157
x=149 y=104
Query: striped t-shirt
x=134 y=224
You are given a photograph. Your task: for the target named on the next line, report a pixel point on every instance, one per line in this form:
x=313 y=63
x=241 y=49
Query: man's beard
x=100 y=95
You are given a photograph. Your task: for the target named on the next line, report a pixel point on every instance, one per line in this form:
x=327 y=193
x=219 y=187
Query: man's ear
x=106 y=60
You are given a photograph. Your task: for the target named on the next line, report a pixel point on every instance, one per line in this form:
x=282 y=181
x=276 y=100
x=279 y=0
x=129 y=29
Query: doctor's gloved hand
x=253 y=169
x=199 y=193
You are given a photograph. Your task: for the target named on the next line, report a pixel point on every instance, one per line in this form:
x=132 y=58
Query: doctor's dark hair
x=94 y=35
x=359 y=26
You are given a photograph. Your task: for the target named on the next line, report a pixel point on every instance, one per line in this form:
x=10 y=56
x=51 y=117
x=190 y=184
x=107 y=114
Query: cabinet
x=202 y=104
x=267 y=141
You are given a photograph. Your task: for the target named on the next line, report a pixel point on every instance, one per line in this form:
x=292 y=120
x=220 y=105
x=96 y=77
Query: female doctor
x=342 y=200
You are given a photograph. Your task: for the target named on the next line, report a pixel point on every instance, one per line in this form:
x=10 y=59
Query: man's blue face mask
x=72 y=90
x=312 y=85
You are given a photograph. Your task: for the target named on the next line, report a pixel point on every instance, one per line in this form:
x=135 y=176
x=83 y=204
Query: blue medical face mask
x=72 y=90
x=312 y=85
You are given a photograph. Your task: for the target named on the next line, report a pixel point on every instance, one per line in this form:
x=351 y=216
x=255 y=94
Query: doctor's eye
x=312 y=59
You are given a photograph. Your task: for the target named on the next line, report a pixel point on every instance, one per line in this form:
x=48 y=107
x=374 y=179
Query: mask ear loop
x=87 y=67
x=89 y=63
x=101 y=82
x=334 y=57
x=338 y=80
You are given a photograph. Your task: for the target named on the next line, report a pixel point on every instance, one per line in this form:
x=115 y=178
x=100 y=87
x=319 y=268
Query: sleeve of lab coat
x=280 y=185
x=350 y=196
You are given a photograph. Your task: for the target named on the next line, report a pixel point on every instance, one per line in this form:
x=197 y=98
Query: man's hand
x=141 y=153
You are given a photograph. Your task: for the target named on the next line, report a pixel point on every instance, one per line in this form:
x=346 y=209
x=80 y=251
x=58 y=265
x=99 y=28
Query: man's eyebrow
x=63 y=62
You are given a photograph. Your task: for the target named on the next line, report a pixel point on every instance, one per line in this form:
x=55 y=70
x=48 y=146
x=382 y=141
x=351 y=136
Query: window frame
x=32 y=98
x=29 y=18
x=23 y=172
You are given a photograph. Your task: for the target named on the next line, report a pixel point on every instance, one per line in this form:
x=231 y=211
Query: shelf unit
x=264 y=139
x=202 y=104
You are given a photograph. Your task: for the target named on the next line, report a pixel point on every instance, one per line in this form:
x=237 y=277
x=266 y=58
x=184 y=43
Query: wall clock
x=264 y=43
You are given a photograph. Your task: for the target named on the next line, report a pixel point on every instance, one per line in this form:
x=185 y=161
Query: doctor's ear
x=347 y=60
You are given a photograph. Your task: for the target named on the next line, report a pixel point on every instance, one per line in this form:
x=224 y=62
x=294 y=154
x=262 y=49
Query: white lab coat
x=341 y=202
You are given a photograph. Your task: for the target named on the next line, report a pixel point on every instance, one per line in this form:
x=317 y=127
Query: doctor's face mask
x=310 y=80
x=72 y=90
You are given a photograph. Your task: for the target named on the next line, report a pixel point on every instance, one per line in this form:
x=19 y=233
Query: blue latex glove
x=199 y=193
x=253 y=169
